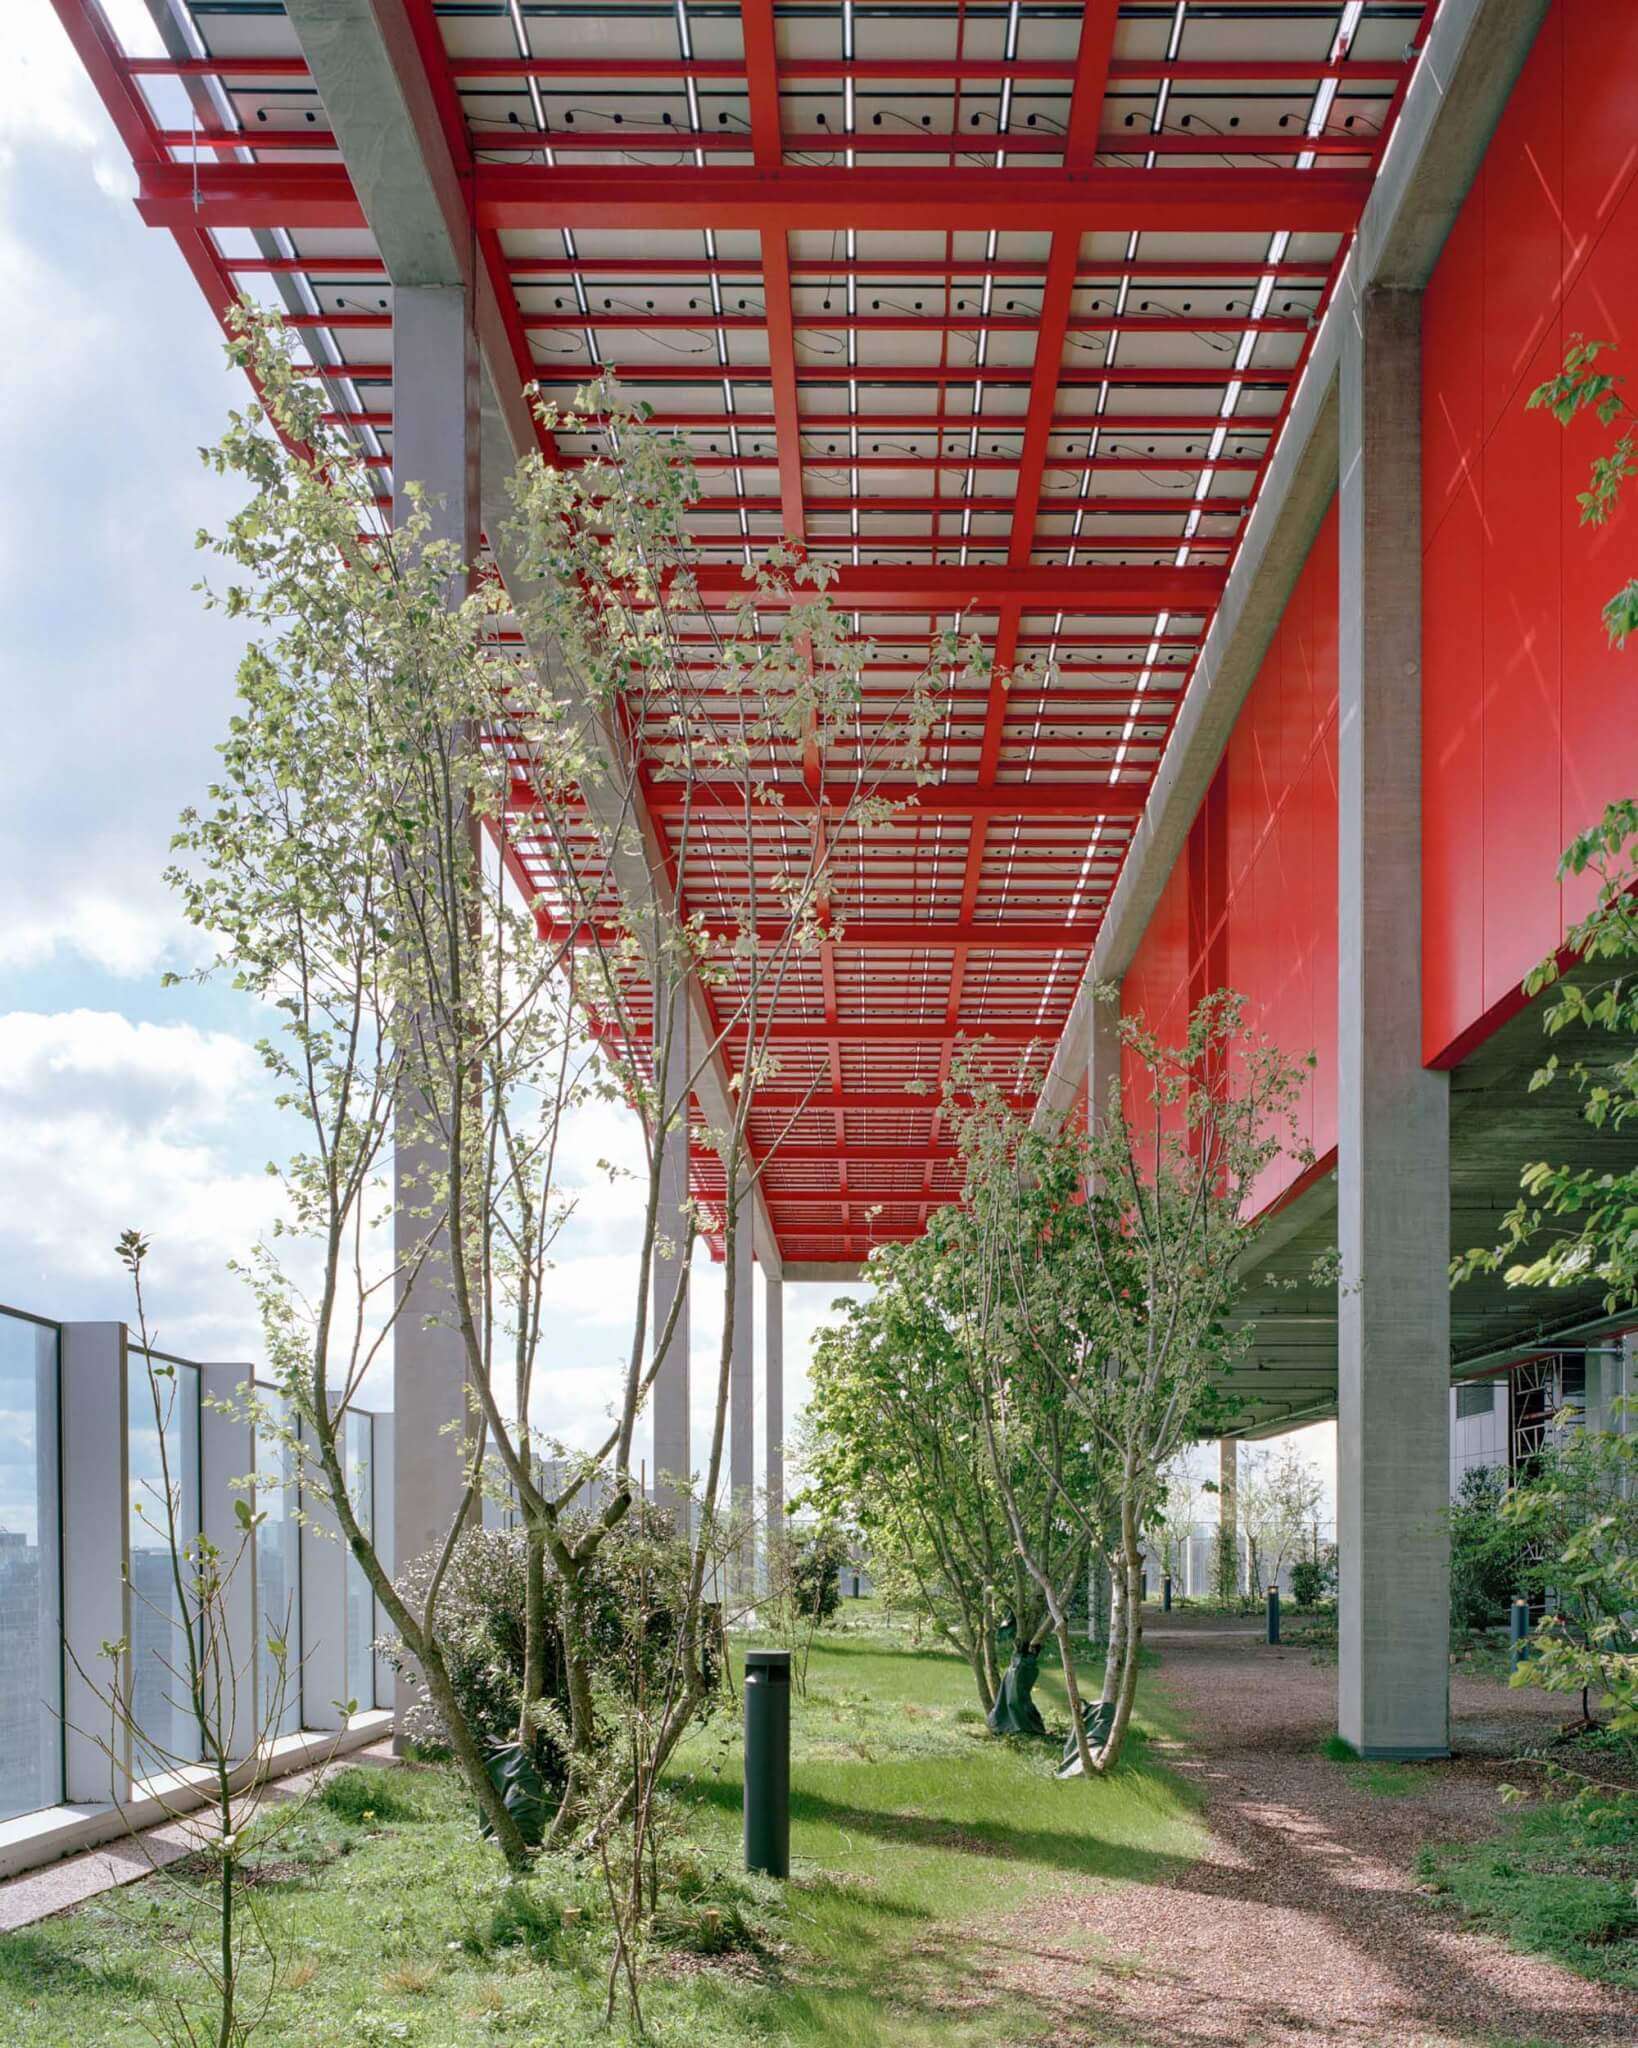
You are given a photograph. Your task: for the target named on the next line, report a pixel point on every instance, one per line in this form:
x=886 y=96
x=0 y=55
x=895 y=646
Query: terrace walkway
x=1302 y=1923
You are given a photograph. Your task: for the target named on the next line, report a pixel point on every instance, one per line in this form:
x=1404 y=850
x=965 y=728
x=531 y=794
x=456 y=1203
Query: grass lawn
x=911 y=1829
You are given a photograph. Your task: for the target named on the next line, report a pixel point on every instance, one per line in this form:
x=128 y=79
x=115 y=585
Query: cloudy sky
x=122 y=1102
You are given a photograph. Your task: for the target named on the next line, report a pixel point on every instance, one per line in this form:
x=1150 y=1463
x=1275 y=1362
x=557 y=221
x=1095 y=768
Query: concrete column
x=227 y=1452
x=773 y=1419
x=673 y=1457
x=742 y=1382
x=323 y=1679
x=1228 y=1505
x=96 y=1556
x=1393 y=1155
x=435 y=444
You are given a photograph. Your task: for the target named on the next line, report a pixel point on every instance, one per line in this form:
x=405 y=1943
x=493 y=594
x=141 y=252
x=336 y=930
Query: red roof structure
x=996 y=305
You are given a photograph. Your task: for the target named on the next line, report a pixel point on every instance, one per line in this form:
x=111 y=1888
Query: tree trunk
x=572 y=1626
x=1077 y=1719
x=534 y=1634
x=1132 y=1602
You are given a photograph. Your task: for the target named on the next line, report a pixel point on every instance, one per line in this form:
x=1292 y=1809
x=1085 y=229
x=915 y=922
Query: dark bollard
x=1519 y=1631
x=1273 y=1614
x=1166 y=1594
x=768 y=1762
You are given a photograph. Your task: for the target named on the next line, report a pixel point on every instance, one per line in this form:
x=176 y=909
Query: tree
x=895 y=1430
x=1021 y=1255
x=394 y=769
x=1279 y=1502
x=1575 y=1521
x=1171 y=1521
x=1488 y=1567
x=1171 y=1171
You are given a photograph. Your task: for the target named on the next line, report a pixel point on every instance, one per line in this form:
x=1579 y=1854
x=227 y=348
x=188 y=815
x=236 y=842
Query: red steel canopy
x=997 y=305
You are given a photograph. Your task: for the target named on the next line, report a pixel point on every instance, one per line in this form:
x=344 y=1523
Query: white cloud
x=123 y=939
x=105 y=1125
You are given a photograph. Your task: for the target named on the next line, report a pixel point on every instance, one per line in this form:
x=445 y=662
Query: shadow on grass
x=32 y=1963
x=1076 y=1849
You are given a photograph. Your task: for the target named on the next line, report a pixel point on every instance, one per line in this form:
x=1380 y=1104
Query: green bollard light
x=1519 y=1631
x=768 y=1762
x=1273 y=1614
x=1166 y=1594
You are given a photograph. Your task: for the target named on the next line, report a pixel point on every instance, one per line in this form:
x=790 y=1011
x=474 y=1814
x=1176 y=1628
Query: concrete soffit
x=1467 y=71
x=375 y=93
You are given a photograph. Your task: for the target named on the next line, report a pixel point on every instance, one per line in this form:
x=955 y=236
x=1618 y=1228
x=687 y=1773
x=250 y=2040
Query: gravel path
x=1301 y=1924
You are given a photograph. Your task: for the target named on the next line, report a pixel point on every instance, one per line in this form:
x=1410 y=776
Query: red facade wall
x=1256 y=909
x=1530 y=719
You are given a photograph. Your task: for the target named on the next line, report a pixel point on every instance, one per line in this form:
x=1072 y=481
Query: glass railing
x=31 y=1664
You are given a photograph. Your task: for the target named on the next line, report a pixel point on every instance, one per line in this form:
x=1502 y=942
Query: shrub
x=1313 y=1577
x=637 y=1584
x=817 y=1558
x=1486 y=1556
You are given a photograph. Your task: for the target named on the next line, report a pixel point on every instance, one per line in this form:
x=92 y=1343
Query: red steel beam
x=762 y=78
x=712 y=801
x=784 y=1100
x=1052 y=501
x=637 y=197
x=903 y=1031
x=687 y=142
x=658 y=374
x=861 y=70
x=946 y=587
x=951 y=425
x=1092 y=58
x=548 y=269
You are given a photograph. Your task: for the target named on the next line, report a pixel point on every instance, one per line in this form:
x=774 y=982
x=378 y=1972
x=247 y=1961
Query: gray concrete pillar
x=773 y=1417
x=742 y=1379
x=96 y=1556
x=672 y=1396
x=227 y=1452
x=435 y=445
x=1393 y=1156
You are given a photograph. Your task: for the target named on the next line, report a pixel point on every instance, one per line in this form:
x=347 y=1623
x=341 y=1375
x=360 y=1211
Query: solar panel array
x=996 y=307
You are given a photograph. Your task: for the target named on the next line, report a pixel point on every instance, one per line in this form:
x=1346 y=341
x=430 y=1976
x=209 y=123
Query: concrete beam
x=1393 y=1135
x=1474 y=53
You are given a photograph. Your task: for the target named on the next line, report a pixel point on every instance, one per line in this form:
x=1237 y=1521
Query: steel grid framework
x=995 y=307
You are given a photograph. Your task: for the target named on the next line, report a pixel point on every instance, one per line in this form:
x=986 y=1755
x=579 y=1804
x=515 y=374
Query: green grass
x=1559 y=1881
x=912 y=1830
x=1387 y=1781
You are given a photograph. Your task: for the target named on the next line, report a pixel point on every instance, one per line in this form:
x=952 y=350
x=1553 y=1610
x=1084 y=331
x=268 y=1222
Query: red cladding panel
x=1600 y=707
x=1520 y=618
x=1600 y=63
x=1279 y=850
x=1452 y=358
x=1528 y=721
x=1452 y=776
x=1522 y=177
